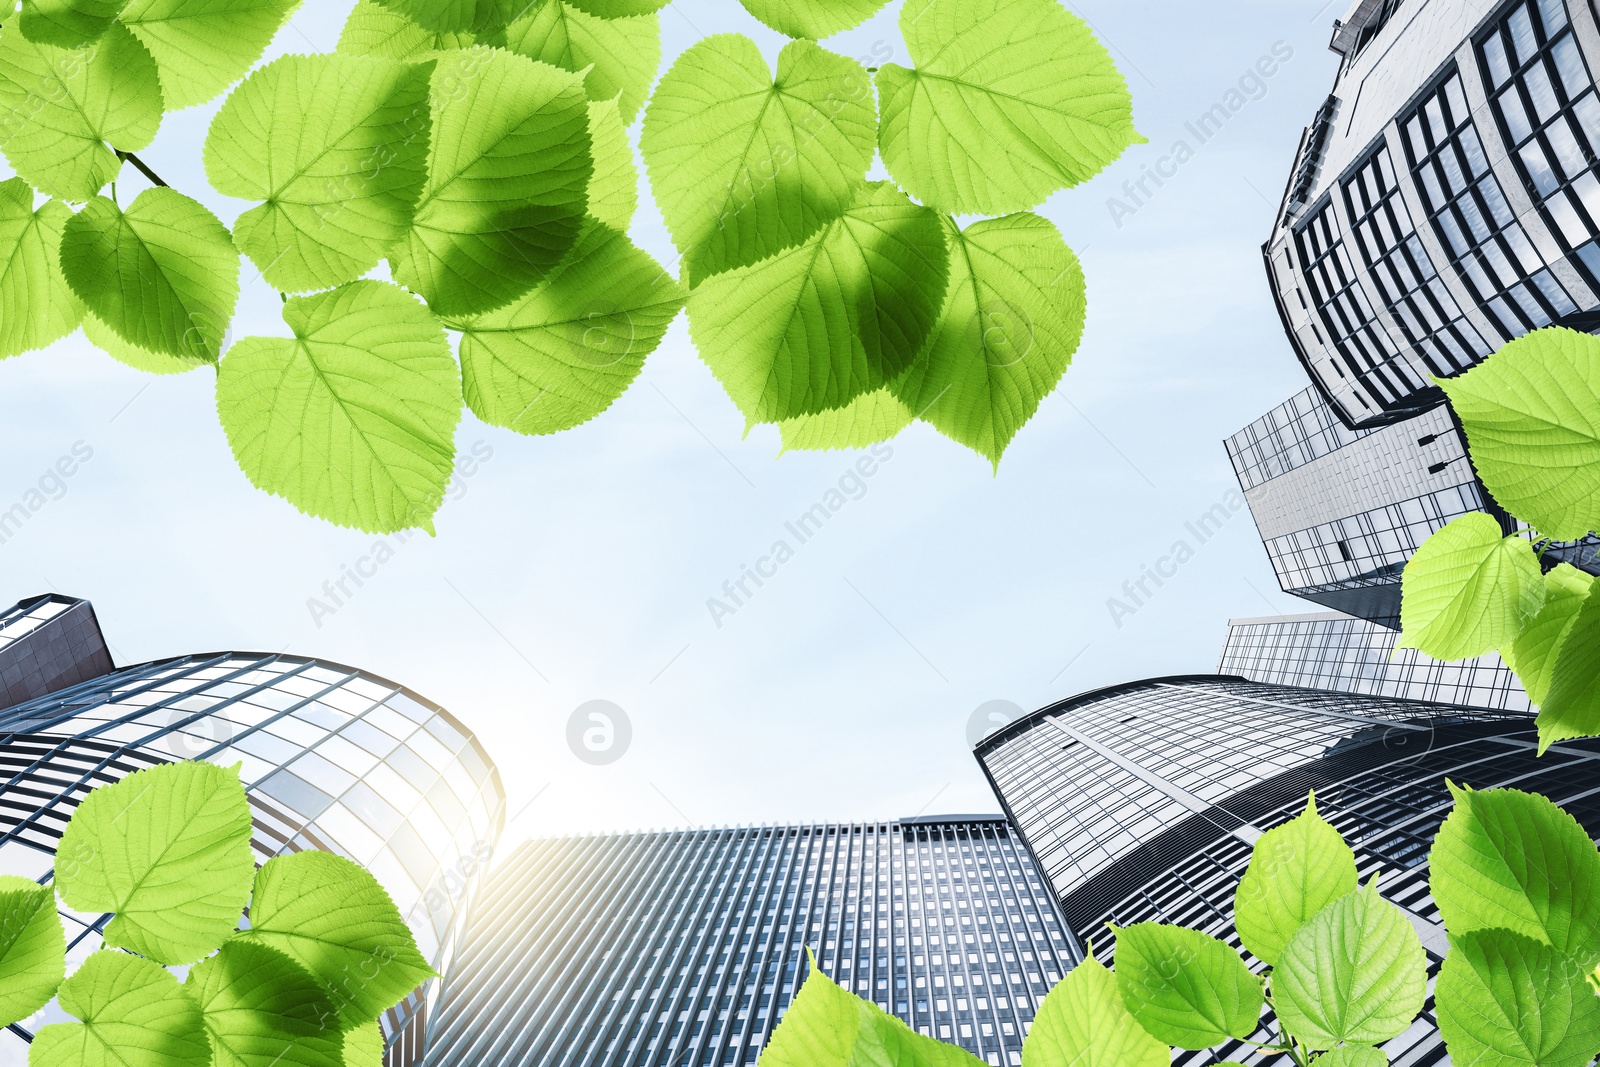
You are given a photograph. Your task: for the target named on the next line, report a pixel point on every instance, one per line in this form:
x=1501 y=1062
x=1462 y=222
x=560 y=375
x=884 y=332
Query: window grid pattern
x=1414 y=294
x=20 y=620
x=1353 y=325
x=1250 y=752
x=1371 y=548
x=1469 y=210
x=685 y=948
x=1298 y=431
x=47 y=644
x=1545 y=101
x=1081 y=811
x=1349 y=655
x=332 y=759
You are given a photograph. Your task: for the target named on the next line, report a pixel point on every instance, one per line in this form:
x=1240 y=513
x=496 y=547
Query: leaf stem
x=129 y=157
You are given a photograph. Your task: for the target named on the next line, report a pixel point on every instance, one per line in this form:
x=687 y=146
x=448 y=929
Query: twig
x=146 y=171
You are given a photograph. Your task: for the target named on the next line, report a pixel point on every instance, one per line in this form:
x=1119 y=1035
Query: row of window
x=672 y=947
x=1391 y=318
x=1370 y=547
x=1352 y=655
x=1297 y=432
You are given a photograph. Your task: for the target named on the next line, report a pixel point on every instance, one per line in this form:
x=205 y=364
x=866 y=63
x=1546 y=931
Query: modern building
x=48 y=643
x=1444 y=199
x=1345 y=655
x=1443 y=202
x=683 y=948
x=1142 y=801
x=332 y=758
x=1340 y=511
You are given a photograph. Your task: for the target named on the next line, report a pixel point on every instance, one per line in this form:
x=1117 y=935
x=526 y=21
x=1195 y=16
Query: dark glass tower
x=333 y=758
x=683 y=948
x=1142 y=801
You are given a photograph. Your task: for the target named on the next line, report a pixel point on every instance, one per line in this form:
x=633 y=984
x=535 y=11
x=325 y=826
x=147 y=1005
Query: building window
x=1342 y=302
x=1549 y=114
x=1409 y=285
x=1468 y=208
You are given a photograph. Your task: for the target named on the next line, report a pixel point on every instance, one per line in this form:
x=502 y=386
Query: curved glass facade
x=1454 y=207
x=333 y=759
x=1143 y=801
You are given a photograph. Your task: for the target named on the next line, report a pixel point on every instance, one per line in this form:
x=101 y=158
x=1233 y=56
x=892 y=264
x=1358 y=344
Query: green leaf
x=203 y=46
x=336 y=921
x=353 y=420
x=815 y=19
x=1352 y=1056
x=68 y=23
x=1185 y=988
x=508 y=179
x=614 y=191
x=1469 y=590
x=62 y=107
x=1532 y=416
x=819 y=324
x=866 y=420
x=744 y=167
x=1010 y=101
x=104 y=338
x=261 y=1007
x=363 y=1046
x=617 y=56
x=1084 y=1022
x=1012 y=318
x=1516 y=861
x=1532 y=653
x=1505 y=1000
x=134 y=1015
x=337 y=147
x=375 y=30
x=168 y=850
x=1571 y=705
x=561 y=355
x=827 y=1026
x=1295 y=871
x=163 y=275
x=457 y=16
x=33 y=948
x=619 y=9
x=37 y=307
x=1356 y=972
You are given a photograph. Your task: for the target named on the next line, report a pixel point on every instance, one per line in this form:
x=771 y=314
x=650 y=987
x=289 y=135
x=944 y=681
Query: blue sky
x=578 y=567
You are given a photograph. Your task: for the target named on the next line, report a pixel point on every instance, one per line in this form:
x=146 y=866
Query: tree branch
x=146 y=171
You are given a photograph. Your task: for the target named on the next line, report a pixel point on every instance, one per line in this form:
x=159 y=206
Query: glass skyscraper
x=1338 y=653
x=333 y=758
x=683 y=948
x=1341 y=510
x=1445 y=200
x=1143 y=801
